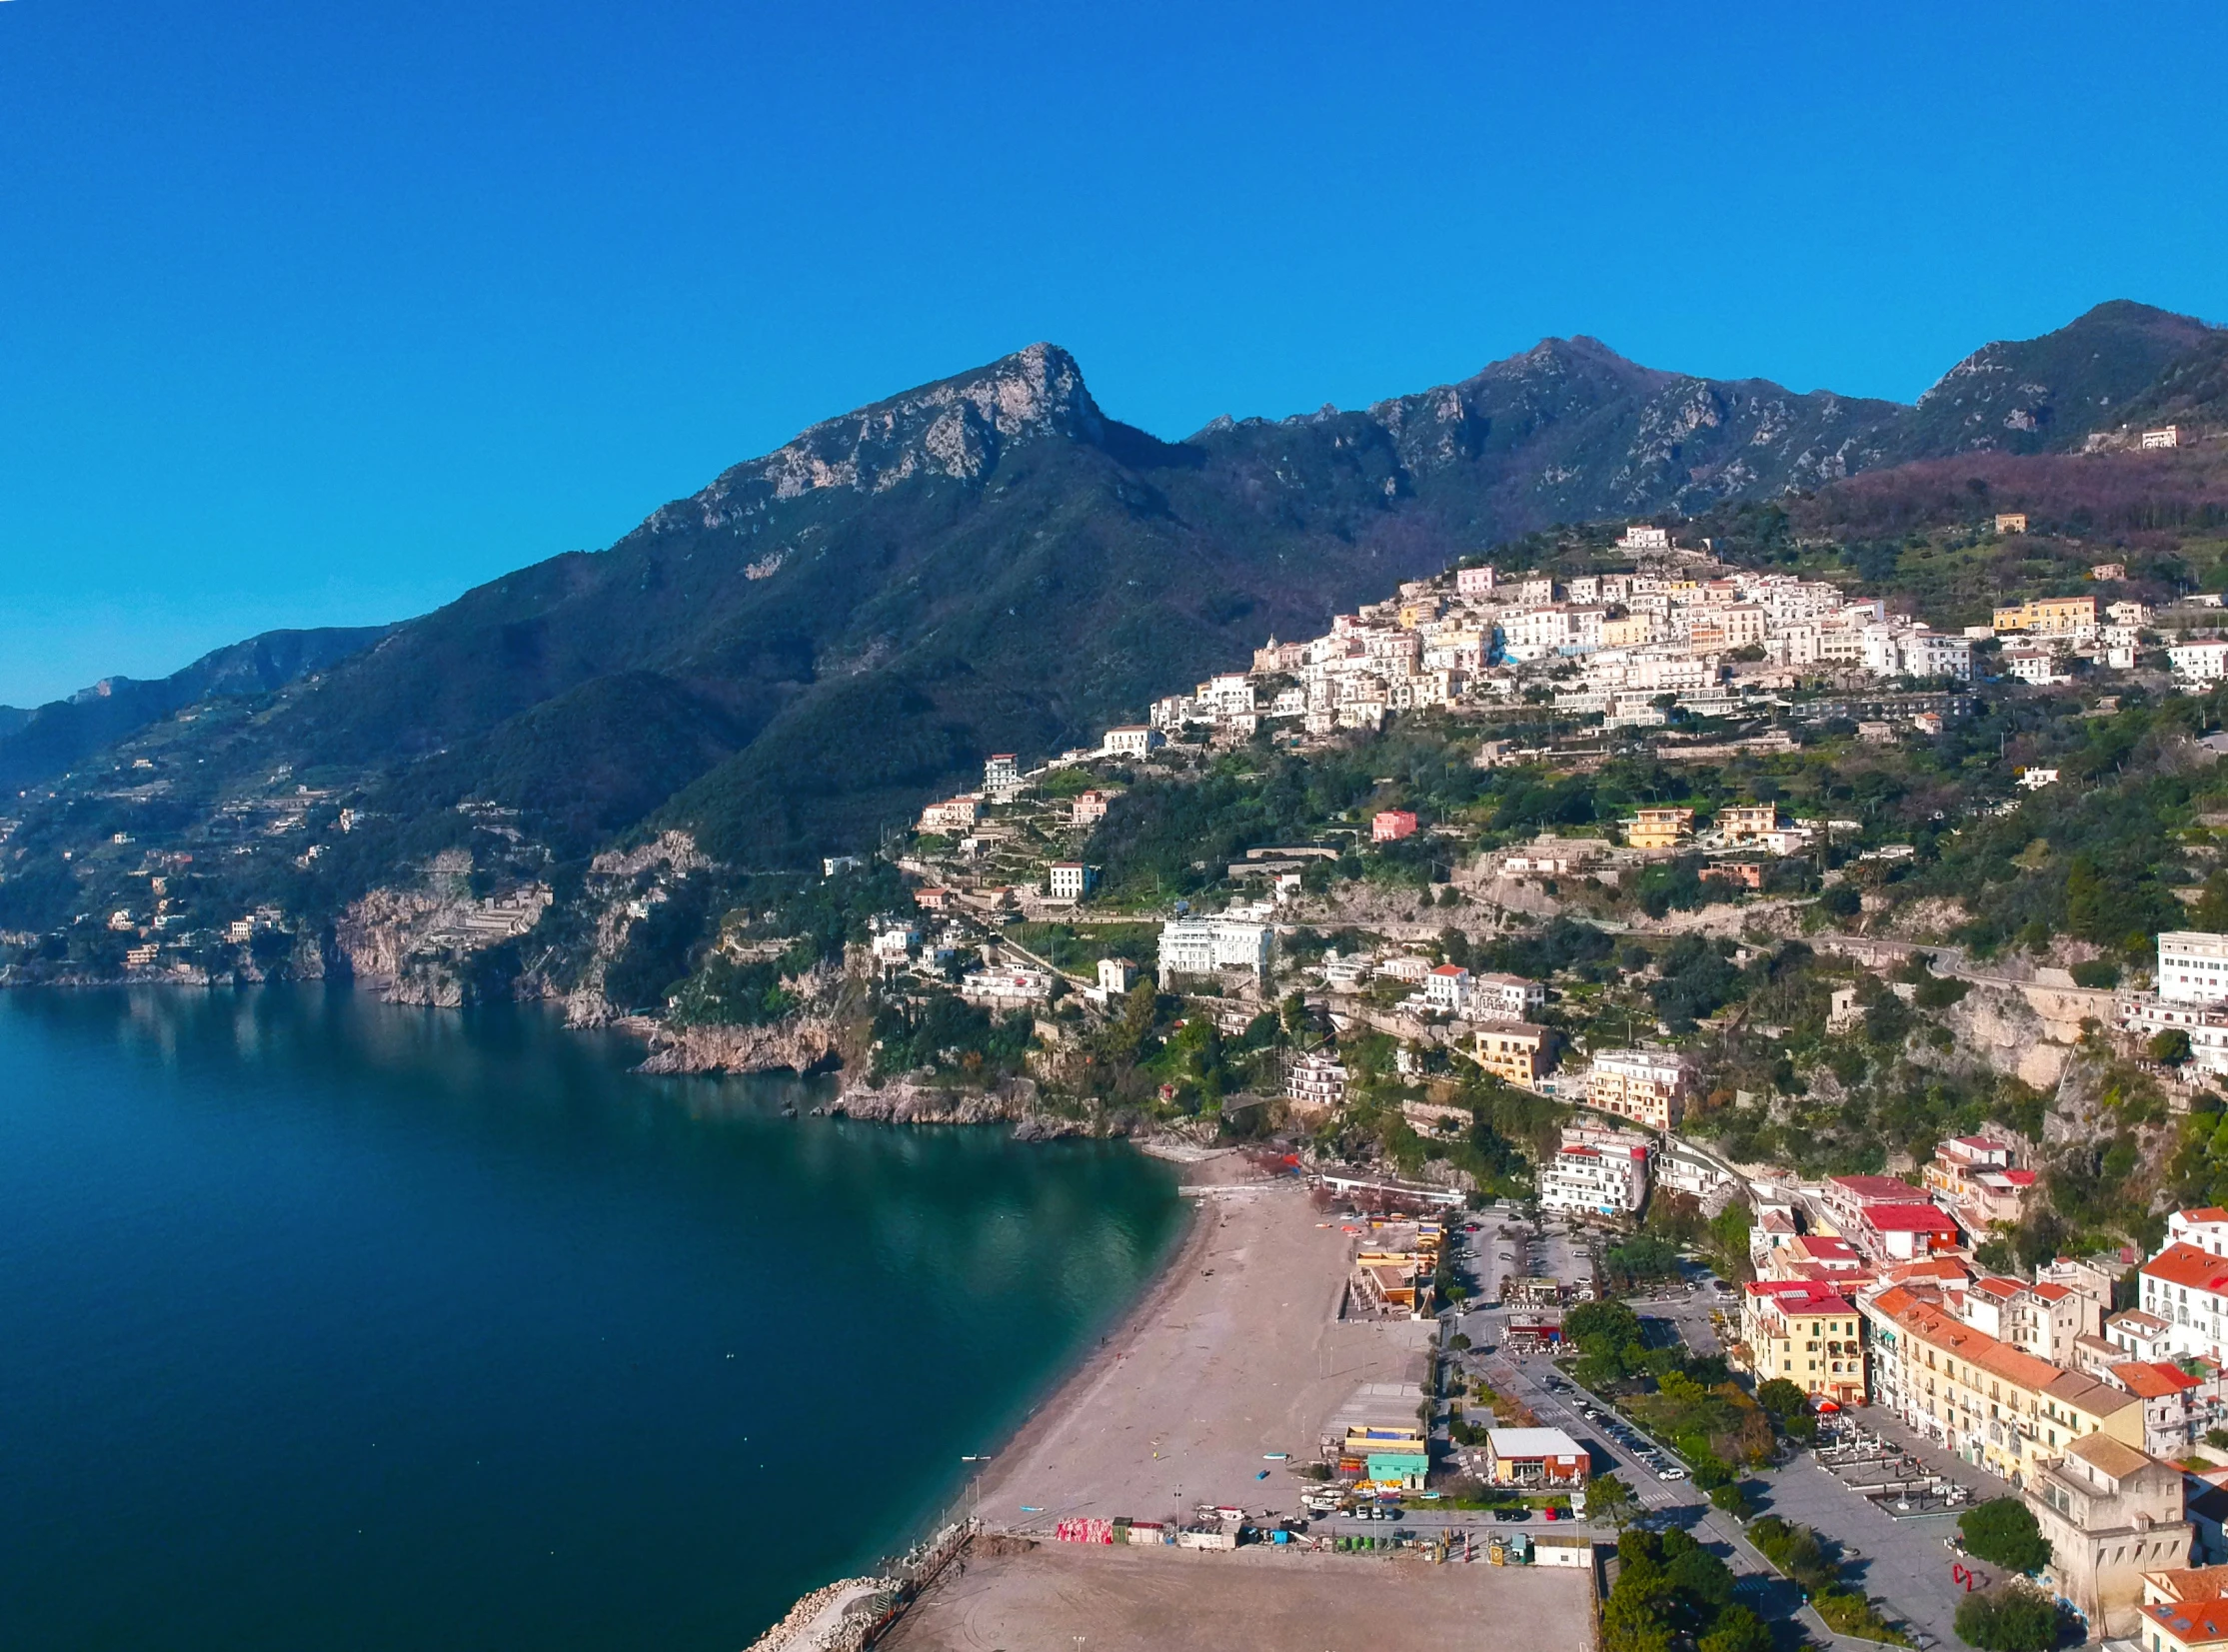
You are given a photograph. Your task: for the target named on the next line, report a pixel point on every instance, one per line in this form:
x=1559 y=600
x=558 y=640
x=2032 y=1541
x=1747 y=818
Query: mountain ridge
x=791 y=659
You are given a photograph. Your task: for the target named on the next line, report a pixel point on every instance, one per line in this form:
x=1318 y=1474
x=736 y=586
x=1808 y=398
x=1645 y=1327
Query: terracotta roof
x=1929 y=1324
x=2185 y=1583
x=1998 y=1287
x=2204 y=1213
x=1934 y=1270
x=2020 y=1178
x=2193 y=1623
x=2053 y=1293
x=2135 y=1319
x=2187 y=1266
x=2153 y=1379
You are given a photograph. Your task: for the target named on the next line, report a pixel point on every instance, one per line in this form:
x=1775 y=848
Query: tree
x=1610 y=1499
x=2170 y=1047
x=2004 y=1531
x=1738 y=1629
x=1780 y=1397
x=2018 y=1618
x=1731 y=1498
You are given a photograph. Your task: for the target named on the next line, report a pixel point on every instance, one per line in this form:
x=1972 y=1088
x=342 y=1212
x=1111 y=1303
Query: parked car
x=1670 y=1474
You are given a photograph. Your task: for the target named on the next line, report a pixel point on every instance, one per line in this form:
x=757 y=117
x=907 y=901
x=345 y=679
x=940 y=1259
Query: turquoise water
x=328 y=1324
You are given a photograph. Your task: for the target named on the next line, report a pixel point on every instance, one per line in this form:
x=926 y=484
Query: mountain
x=2051 y=393
x=799 y=654
x=37 y=745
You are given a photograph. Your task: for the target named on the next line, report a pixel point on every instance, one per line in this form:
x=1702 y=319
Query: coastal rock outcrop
x=799 y=1043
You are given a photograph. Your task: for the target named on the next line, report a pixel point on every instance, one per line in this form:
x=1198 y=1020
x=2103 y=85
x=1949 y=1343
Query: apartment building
x=2187 y=1288
x=2199 y=662
x=1447 y=988
x=1133 y=741
x=1088 y=807
x=1596 y=1173
x=1659 y=827
x=1845 y=1200
x=1974 y=1176
x=2192 y=966
x=1806 y=1333
x=1745 y=822
x=1513 y=1052
x=1984 y=1401
x=1316 y=1083
x=1208 y=946
x=953 y=814
x=2048 y=617
x=1071 y=880
x=1503 y=997
x=1648 y=1085
x=2044 y=1320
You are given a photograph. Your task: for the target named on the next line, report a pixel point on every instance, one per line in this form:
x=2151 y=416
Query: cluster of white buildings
x=1639 y=635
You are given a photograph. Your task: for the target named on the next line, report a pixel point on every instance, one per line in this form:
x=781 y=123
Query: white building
x=1135 y=741
x=2169 y=435
x=2192 y=966
x=2187 y=1288
x=1071 y=879
x=1316 y=1080
x=1006 y=988
x=1000 y=772
x=1505 y=997
x=2205 y=661
x=1208 y=946
x=1115 y=977
x=1597 y=1174
x=1447 y=988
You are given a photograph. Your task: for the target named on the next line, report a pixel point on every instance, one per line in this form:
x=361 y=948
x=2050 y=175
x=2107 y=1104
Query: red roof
x=1450 y=970
x=1877 y=1189
x=2205 y=1213
x=2187 y=1266
x=2053 y=1293
x=2153 y=1379
x=2019 y=1178
x=1909 y=1218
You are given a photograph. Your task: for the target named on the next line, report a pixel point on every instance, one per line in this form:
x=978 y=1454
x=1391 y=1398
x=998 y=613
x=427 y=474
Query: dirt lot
x=1061 y=1595
x=1234 y=1355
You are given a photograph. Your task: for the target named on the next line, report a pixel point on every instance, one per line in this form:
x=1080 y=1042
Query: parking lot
x=1898 y=1554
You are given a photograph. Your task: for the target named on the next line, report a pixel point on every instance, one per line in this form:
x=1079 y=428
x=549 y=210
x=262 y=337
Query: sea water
x=326 y=1323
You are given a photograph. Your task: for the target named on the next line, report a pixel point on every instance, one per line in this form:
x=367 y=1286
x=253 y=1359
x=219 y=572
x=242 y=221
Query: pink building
x=1392 y=824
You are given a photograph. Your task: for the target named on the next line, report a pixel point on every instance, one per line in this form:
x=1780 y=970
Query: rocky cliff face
x=798 y=1044
x=957 y=428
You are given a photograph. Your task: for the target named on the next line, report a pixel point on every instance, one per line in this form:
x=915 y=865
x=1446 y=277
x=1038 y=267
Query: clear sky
x=316 y=314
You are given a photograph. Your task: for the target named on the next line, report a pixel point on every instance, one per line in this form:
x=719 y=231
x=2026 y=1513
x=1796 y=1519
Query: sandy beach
x=1235 y=1353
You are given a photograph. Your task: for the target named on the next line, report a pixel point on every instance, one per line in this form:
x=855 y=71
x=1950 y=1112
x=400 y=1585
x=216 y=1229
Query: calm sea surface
x=326 y=1324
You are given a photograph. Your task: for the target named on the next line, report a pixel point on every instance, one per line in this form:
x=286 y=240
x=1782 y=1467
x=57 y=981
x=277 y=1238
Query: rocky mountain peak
x=956 y=427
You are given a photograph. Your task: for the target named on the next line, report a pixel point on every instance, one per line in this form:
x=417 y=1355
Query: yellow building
x=1807 y=1333
x=2048 y=617
x=1633 y=631
x=1988 y=1402
x=1515 y=1051
x=1659 y=827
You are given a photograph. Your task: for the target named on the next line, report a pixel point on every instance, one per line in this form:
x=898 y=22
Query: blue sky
x=313 y=314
